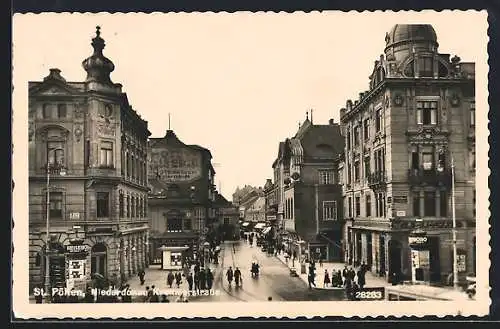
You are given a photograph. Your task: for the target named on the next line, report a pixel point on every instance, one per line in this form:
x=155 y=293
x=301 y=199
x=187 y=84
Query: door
x=395 y=250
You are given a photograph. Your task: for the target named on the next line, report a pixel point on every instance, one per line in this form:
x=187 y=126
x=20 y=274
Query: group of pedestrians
x=201 y=280
x=236 y=275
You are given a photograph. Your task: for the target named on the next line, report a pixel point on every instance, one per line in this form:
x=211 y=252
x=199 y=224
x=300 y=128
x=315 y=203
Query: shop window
x=227 y=221
x=427 y=112
x=325 y=176
x=357 y=206
x=443 y=206
x=329 y=210
x=366 y=129
x=368 y=201
x=102 y=204
x=61 y=111
x=187 y=224
x=56 y=205
x=429 y=204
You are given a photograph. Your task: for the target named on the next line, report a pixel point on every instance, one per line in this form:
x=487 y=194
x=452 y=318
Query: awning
x=260 y=226
x=266 y=230
x=245 y=224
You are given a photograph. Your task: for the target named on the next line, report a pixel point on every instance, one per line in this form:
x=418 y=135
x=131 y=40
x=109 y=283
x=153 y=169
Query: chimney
x=361 y=95
x=331 y=122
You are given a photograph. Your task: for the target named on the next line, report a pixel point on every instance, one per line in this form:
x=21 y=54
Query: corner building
x=90 y=130
x=401 y=136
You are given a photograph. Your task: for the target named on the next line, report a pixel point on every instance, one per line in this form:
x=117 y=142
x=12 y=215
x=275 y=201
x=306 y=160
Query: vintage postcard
x=303 y=164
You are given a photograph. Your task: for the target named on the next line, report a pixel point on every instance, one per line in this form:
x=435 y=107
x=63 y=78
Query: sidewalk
x=371 y=279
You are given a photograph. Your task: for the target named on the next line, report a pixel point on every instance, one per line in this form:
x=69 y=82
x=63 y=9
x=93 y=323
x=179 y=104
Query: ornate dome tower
x=405 y=39
x=98 y=67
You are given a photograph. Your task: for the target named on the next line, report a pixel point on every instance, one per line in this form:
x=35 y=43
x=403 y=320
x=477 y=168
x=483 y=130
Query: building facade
x=89 y=132
x=227 y=226
x=181 y=199
x=402 y=137
x=308 y=193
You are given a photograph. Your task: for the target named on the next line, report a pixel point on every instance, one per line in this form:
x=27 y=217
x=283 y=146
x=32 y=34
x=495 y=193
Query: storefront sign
x=76 y=269
x=79 y=248
x=461 y=263
x=417 y=240
x=400 y=199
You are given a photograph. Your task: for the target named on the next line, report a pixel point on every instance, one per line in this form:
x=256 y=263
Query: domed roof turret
x=404 y=33
x=98 y=67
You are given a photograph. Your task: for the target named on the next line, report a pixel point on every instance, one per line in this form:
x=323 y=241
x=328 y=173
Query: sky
x=237 y=84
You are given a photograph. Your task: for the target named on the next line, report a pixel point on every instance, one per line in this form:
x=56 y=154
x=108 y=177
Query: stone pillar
x=142 y=242
x=128 y=252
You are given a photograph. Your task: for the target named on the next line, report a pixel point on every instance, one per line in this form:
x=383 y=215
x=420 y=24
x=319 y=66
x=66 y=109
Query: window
x=378 y=120
x=187 y=224
x=357 y=206
x=441 y=165
x=55 y=207
x=472 y=159
x=61 y=111
x=325 y=176
x=227 y=221
x=55 y=153
x=348 y=139
x=380 y=204
x=416 y=204
x=427 y=161
x=443 y=204
x=367 y=167
x=429 y=204
x=427 y=112
x=128 y=206
x=329 y=210
x=174 y=224
x=106 y=154
x=349 y=207
x=415 y=162
x=46 y=111
x=356 y=171
x=425 y=66
x=102 y=204
x=356 y=136
x=368 y=204
x=122 y=206
x=473 y=114
x=366 y=129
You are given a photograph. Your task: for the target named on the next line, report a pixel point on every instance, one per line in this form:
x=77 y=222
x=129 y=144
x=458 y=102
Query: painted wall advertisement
x=176 y=165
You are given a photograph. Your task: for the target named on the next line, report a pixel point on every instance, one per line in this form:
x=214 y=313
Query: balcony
x=377 y=179
x=433 y=177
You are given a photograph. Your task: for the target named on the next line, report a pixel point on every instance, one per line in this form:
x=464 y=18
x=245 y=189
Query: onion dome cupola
x=97 y=66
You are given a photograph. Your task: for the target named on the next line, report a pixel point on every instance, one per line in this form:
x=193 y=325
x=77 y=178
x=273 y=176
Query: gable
x=52 y=88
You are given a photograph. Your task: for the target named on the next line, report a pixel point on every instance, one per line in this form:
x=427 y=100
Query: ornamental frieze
x=106 y=129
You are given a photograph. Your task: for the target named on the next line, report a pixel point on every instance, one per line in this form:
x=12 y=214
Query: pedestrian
x=164 y=299
x=178 y=279
x=154 y=298
x=237 y=277
x=203 y=279
x=339 y=279
x=141 y=275
x=361 y=278
x=190 y=282
x=210 y=279
x=311 y=276
x=170 y=279
x=229 y=275
x=345 y=273
x=326 y=279
x=148 y=295
x=126 y=294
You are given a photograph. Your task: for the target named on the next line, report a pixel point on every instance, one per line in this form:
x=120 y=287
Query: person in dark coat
x=210 y=279
x=178 y=279
x=361 y=278
x=126 y=297
x=190 y=280
x=326 y=280
x=203 y=279
x=164 y=299
x=141 y=275
x=197 y=281
x=170 y=279
x=154 y=295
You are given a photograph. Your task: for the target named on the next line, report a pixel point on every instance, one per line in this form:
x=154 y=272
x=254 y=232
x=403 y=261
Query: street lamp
x=50 y=166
